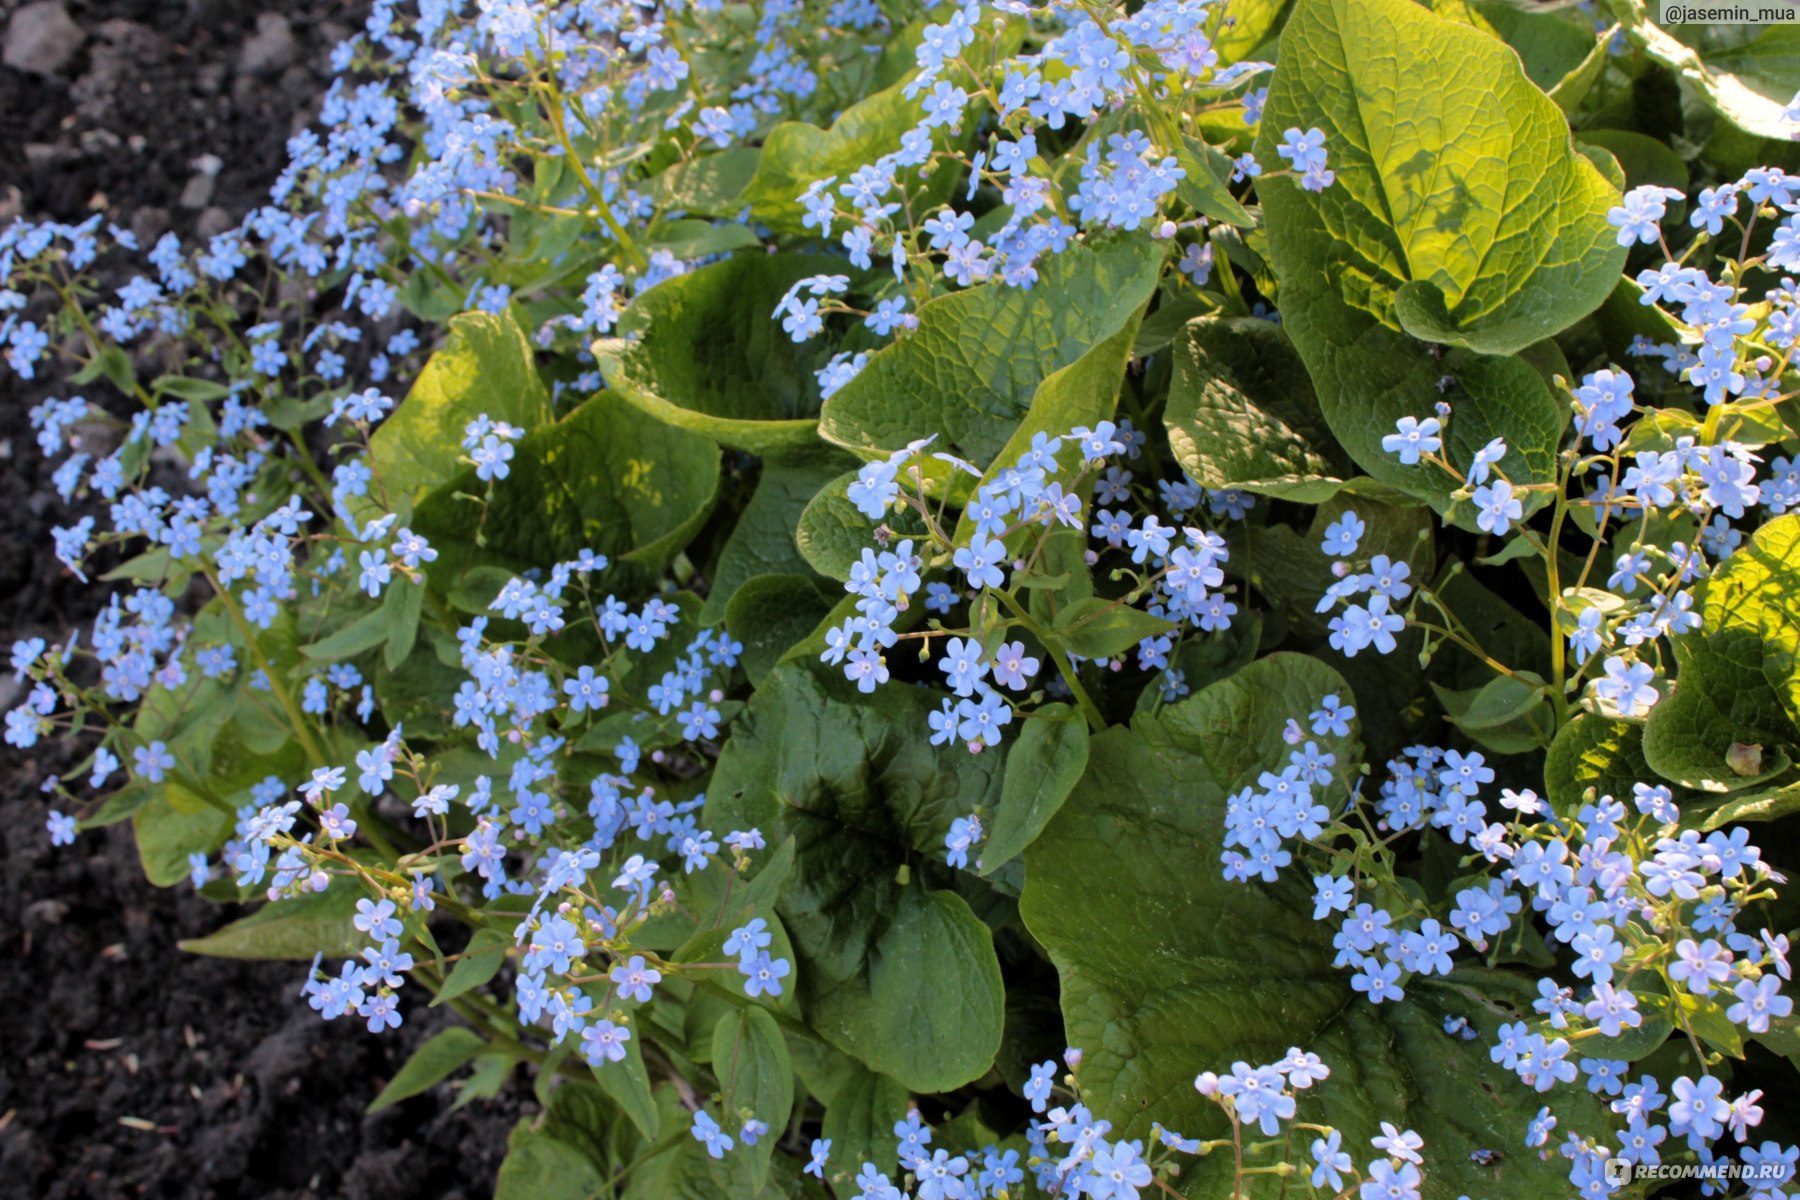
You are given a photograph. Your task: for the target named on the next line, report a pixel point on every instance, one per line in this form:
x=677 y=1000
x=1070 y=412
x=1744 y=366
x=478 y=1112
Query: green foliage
x=1473 y=223
x=700 y=353
x=1242 y=413
x=1154 y=980
x=969 y=373
x=855 y=783
x=297 y=929
x=444 y=1053
x=1738 y=678
x=602 y=478
x=484 y=368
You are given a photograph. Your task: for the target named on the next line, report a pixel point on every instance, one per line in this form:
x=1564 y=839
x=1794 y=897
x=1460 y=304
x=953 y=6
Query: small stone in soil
x=42 y=38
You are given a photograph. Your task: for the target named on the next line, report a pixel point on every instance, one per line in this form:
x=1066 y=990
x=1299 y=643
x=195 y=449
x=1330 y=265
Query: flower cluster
x=995 y=549
x=1639 y=913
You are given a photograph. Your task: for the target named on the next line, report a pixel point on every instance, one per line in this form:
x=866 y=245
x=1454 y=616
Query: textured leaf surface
x=1242 y=413
x=764 y=540
x=602 y=478
x=902 y=977
x=1160 y=981
x=1461 y=212
x=770 y=613
x=1593 y=752
x=485 y=366
x=969 y=371
x=1738 y=676
x=833 y=533
x=795 y=154
x=1457 y=183
x=703 y=352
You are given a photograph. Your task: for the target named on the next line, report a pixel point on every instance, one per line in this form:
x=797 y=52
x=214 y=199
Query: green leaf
x=1759 y=804
x=484 y=367
x=856 y=783
x=1507 y=714
x=1737 y=679
x=1167 y=969
x=1574 y=87
x=1745 y=73
x=1100 y=628
x=688 y=238
x=684 y=1171
x=1551 y=45
x=485 y=1079
x=1643 y=159
x=563 y=1156
x=1084 y=393
x=295 y=928
x=444 y=1053
x=1458 y=192
x=540 y=1167
x=365 y=633
x=770 y=613
x=702 y=352
x=1238 y=31
x=111 y=364
x=184 y=387
x=796 y=154
x=1461 y=213
x=479 y=962
x=756 y=1078
x=628 y=1085
x=764 y=540
x=833 y=533
x=1204 y=185
x=401 y=606
x=1593 y=752
x=602 y=478
x=1042 y=767
x=860 y=1117
x=710 y=186
x=171 y=824
x=969 y=372
x=1242 y=413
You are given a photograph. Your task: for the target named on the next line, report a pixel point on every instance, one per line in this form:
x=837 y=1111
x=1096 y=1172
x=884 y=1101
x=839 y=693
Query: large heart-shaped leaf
x=969 y=372
x=1458 y=189
x=602 y=478
x=704 y=352
x=901 y=976
x=484 y=367
x=1461 y=214
x=1737 y=677
x=1160 y=980
x=1242 y=413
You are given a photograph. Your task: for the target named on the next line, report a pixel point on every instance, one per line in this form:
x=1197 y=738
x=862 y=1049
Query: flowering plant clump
x=802 y=565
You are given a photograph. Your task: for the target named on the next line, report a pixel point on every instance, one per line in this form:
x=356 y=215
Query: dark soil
x=128 y=1068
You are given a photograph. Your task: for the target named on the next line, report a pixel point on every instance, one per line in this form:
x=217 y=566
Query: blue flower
x=708 y=1134
x=821 y=1149
x=61 y=827
x=1413 y=437
x=604 y=1042
x=1343 y=534
x=1332 y=1161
